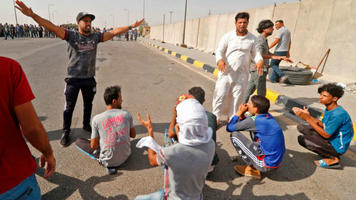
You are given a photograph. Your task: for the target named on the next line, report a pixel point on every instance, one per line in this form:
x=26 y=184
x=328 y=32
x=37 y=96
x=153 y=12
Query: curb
x=273 y=96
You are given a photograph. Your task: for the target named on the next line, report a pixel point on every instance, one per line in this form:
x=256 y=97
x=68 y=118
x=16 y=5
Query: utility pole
x=170 y=16
x=128 y=16
x=185 y=20
x=49 y=13
x=164 y=18
x=15 y=12
x=143 y=10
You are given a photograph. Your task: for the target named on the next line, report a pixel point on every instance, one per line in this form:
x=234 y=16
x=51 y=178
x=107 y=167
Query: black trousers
x=73 y=86
x=312 y=141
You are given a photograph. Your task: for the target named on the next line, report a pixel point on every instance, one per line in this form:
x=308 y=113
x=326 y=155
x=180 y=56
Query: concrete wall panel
x=191 y=32
x=311 y=28
x=260 y=14
x=287 y=12
x=203 y=36
x=341 y=39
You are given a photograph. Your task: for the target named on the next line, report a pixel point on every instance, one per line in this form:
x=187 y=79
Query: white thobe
x=237 y=53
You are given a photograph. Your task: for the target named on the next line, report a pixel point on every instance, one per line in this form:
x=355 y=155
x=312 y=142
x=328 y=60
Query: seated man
x=331 y=137
x=111 y=132
x=188 y=160
x=265 y=152
x=199 y=94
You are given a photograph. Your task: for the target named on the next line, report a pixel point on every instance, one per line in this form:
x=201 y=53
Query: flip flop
x=323 y=164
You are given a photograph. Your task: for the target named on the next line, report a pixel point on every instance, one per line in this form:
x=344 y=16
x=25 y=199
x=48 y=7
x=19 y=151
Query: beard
x=242 y=31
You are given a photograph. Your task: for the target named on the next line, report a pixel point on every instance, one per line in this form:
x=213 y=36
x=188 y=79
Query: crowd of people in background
x=35 y=31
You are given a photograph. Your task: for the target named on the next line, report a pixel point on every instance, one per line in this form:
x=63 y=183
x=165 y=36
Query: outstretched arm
x=58 y=31
x=110 y=34
x=34 y=132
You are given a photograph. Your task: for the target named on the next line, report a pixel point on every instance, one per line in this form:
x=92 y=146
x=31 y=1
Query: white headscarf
x=193 y=123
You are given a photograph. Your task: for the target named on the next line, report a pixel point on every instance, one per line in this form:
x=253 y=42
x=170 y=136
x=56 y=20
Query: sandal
x=323 y=164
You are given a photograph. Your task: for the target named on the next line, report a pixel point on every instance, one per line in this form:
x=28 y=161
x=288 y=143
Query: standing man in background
x=265 y=28
x=82 y=46
x=234 y=54
x=283 y=42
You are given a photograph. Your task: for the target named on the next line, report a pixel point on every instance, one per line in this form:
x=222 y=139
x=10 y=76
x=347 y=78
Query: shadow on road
x=246 y=193
x=67 y=185
x=137 y=160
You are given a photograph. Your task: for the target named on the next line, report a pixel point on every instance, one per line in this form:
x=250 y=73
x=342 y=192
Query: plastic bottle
x=166 y=137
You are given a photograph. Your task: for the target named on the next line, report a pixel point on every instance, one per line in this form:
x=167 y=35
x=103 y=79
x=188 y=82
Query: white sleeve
x=221 y=50
x=94 y=129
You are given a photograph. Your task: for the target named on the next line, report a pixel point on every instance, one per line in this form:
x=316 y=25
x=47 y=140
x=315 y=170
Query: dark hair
x=261 y=102
x=264 y=24
x=111 y=93
x=198 y=94
x=280 y=21
x=333 y=89
x=242 y=15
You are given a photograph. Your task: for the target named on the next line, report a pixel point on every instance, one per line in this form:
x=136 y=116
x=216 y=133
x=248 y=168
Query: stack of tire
x=297 y=75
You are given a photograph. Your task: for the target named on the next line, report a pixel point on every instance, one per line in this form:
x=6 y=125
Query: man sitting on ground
x=199 y=94
x=111 y=132
x=265 y=152
x=188 y=160
x=331 y=137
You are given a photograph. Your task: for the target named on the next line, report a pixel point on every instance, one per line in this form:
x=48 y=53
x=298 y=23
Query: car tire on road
x=298 y=76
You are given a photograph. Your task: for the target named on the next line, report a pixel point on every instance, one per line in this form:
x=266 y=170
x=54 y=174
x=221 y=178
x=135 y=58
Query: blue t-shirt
x=338 y=124
x=267 y=132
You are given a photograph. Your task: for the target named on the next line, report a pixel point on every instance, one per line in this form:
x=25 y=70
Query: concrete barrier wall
x=192 y=27
x=341 y=39
x=311 y=29
x=315 y=26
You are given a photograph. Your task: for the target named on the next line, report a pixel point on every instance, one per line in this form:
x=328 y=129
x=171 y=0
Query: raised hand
x=138 y=23
x=24 y=9
x=147 y=124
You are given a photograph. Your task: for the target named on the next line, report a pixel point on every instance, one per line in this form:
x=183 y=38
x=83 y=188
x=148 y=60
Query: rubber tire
x=302 y=77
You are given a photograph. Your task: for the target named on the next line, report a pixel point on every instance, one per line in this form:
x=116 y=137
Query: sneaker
x=283 y=79
x=246 y=170
x=65 y=139
x=111 y=170
x=87 y=128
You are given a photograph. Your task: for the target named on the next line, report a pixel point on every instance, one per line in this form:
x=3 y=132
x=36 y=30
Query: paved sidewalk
x=287 y=95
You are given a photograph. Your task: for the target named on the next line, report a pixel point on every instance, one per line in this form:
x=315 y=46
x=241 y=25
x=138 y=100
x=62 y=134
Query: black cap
x=84 y=14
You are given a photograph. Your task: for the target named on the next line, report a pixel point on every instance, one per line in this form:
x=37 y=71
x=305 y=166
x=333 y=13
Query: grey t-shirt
x=113 y=127
x=262 y=47
x=284 y=35
x=82 y=53
x=187 y=169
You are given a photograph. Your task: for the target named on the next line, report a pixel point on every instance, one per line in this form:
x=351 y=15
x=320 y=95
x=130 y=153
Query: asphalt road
x=150 y=83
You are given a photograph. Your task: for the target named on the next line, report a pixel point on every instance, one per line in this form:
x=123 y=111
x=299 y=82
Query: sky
x=116 y=13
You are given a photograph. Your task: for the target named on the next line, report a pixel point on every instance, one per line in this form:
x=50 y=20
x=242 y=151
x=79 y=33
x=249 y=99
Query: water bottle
x=166 y=137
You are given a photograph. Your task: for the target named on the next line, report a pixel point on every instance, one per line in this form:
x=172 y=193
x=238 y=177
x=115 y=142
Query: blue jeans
x=152 y=196
x=276 y=72
x=26 y=190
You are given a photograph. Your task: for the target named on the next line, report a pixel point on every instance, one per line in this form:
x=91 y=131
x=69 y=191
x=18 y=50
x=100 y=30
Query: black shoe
x=87 y=128
x=65 y=140
x=111 y=170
